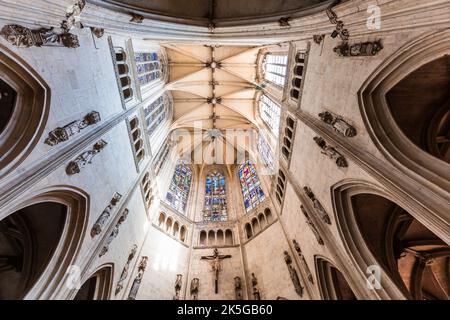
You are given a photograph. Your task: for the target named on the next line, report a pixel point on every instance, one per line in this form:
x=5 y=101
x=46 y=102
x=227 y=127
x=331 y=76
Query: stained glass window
x=178 y=193
x=270 y=113
x=215 y=198
x=275 y=68
x=148 y=67
x=265 y=150
x=155 y=113
x=250 y=185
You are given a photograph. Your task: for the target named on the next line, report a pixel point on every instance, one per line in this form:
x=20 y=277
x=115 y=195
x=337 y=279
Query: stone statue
x=113 y=233
x=312 y=226
x=178 y=284
x=62 y=134
x=238 y=288
x=124 y=273
x=359 y=49
x=340 y=30
x=194 y=288
x=137 y=281
x=85 y=158
x=73 y=16
x=293 y=273
x=25 y=37
x=331 y=152
x=317 y=205
x=303 y=261
x=216 y=258
x=338 y=124
x=97 y=228
x=256 y=293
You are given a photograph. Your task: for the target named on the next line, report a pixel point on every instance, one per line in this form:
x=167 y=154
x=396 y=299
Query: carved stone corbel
x=303 y=261
x=284 y=21
x=62 y=134
x=312 y=226
x=97 y=228
x=98 y=32
x=137 y=281
x=125 y=269
x=317 y=205
x=318 y=38
x=24 y=37
x=85 y=158
x=73 y=16
x=362 y=49
x=113 y=233
x=293 y=273
x=338 y=124
x=136 y=18
x=331 y=152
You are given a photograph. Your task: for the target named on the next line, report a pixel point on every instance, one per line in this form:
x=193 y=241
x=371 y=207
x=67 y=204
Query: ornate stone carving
x=284 y=21
x=255 y=290
x=98 y=32
x=23 y=37
x=312 y=226
x=340 y=30
x=62 y=134
x=318 y=38
x=331 y=152
x=97 y=228
x=178 y=284
x=303 y=261
x=215 y=259
x=113 y=233
x=293 y=273
x=338 y=124
x=85 y=158
x=137 y=281
x=238 y=288
x=125 y=269
x=362 y=49
x=73 y=16
x=195 y=283
x=317 y=205
x=136 y=18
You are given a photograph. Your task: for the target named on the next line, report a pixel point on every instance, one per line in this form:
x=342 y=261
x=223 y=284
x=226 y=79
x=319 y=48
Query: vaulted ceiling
x=213 y=88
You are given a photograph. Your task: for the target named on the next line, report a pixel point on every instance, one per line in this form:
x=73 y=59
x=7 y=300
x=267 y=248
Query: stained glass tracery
x=148 y=67
x=252 y=192
x=215 y=198
x=178 y=193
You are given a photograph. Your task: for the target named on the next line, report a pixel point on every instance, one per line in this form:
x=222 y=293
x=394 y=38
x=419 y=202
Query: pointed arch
x=332 y=283
x=98 y=286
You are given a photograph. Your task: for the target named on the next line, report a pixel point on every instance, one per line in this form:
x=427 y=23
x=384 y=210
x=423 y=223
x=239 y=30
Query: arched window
x=155 y=113
x=250 y=186
x=265 y=151
x=148 y=67
x=178 y=193
x=215 y=198
x=270 y=113
x=124 y=73
x=275 y=68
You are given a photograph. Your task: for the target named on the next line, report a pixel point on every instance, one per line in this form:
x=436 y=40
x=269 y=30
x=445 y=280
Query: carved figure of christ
x=215 y=259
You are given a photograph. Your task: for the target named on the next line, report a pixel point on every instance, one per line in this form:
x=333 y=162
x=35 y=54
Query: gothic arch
x=98 y=286
x=26 y=120
x=49 y=282
x=377 y=229
x=384 y=128
x=332 y=283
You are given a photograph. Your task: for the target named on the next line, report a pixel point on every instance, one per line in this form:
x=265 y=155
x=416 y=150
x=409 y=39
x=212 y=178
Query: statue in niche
x=63 y=134
x=216 y=258
x=331 y=152
x=303 y=261
x=137 y=281
x=338 y=123
x=312 y=226
x=317 y=205
x=24 y=37
x=124 y=273
x=85 y=158
x=238 y=288
x=194 y=288
x=256 y=293
x=178 y=284
x=113 y=233
x=97 y=228
x=358 y=49
x=293 y=273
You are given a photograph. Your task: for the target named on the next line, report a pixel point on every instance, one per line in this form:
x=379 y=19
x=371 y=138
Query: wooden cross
x=215 y=259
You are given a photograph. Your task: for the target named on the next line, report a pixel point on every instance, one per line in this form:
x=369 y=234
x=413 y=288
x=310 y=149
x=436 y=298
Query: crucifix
x=216 y=258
